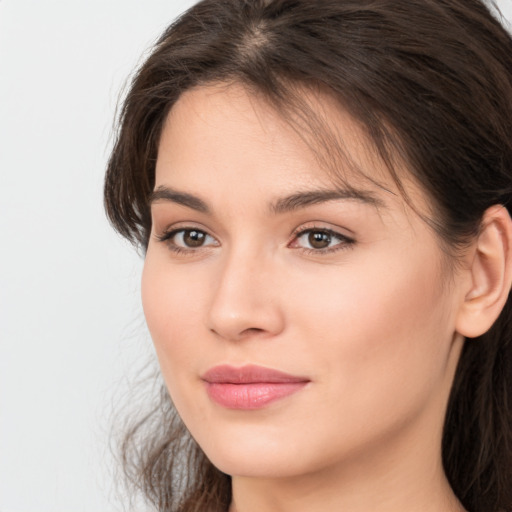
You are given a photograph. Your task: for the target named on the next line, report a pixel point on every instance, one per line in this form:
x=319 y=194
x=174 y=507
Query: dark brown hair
x=430 y=81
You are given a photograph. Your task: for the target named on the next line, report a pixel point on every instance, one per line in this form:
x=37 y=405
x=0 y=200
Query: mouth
x=249 y=387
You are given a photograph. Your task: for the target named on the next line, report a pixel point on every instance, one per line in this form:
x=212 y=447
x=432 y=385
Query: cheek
x=172 y=301
x=379 y=332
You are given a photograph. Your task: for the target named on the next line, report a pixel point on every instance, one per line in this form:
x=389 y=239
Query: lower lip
x=251 y=396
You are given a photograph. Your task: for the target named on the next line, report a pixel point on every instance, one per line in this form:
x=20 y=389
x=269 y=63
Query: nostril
x=252 y=330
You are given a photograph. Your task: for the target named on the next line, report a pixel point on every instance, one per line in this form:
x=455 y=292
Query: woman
x=321 y=191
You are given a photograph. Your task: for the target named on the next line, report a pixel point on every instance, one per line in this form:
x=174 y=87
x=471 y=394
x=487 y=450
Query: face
x=291 y=315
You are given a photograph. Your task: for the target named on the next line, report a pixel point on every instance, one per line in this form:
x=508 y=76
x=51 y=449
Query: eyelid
x=345 y=241
x=164 y=229
x=167 y=234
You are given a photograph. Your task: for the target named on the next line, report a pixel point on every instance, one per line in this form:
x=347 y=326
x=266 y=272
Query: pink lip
x=249 y=387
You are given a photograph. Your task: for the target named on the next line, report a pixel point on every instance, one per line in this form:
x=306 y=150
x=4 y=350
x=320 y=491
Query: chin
x=250 y=465
x=250 y=453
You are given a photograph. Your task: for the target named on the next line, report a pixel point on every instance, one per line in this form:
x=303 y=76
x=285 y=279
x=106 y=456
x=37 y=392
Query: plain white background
x=71 y=326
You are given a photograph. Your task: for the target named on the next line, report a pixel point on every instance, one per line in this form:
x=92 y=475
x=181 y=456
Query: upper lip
x=248 y=374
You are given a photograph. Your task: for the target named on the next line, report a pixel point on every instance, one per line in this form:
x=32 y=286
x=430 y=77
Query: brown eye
x=187 y=239
x=193 y=238
x=319 y=239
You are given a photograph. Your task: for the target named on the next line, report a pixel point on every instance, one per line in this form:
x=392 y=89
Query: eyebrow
x=289 y=203
x=168 y=194
x=311 y=197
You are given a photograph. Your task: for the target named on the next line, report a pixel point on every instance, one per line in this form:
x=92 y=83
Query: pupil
x=319 y=240
x=193 y=238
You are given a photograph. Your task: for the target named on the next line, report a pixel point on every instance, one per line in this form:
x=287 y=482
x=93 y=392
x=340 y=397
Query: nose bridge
x=243 y=299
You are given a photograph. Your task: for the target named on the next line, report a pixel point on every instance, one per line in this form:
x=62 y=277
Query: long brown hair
x=429 y=81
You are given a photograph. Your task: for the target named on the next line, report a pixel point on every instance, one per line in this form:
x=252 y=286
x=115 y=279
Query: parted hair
x=430 y=82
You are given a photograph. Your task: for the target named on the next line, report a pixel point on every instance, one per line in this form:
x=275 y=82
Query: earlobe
x=490 y=274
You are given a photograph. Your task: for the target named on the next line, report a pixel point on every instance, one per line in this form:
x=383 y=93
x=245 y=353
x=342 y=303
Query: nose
x=245 y=301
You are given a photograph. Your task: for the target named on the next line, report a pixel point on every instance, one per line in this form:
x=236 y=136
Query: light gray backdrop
x=70 y=317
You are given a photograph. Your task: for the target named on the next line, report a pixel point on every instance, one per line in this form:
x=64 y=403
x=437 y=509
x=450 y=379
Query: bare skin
x=351 y=292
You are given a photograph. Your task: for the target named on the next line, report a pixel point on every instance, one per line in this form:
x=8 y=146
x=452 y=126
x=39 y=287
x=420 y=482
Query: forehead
x=224 y=129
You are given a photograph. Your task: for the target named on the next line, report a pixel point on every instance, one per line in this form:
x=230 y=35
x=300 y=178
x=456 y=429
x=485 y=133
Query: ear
x=490 y=274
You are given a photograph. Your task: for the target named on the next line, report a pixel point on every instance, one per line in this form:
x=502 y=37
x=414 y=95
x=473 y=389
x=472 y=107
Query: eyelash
x=344 y=241
x=167 y=238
